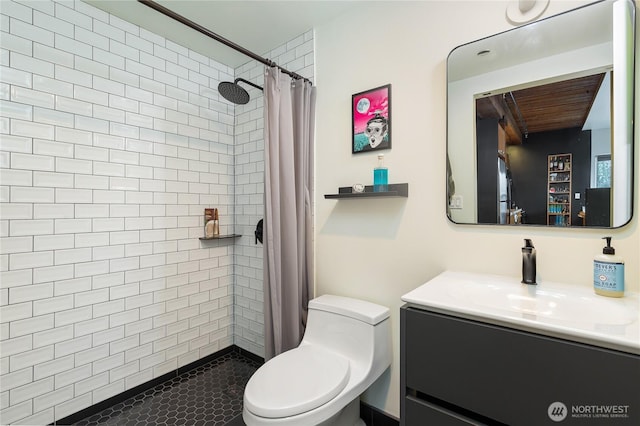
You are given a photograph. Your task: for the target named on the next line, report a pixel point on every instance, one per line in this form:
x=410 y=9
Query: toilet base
x=348 y=416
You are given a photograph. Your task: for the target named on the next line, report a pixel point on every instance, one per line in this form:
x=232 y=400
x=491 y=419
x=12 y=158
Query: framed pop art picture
x=371 y=120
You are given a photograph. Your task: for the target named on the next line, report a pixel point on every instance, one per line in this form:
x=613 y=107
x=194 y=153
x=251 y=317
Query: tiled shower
x=113 y=140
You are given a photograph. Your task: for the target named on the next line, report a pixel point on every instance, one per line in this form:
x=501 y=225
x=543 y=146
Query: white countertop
x=555 y=309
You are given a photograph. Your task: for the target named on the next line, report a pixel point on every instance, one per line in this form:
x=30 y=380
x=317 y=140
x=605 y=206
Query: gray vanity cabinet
x=456 y=371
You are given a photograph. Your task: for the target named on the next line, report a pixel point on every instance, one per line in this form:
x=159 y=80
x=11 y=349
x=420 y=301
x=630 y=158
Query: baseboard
x=96 y=408
x=375 y=417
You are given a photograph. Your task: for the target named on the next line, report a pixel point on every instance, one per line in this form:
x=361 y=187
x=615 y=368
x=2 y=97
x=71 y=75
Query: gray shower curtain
x=289 y=111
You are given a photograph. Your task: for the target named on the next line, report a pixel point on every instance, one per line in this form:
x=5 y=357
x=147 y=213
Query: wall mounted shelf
x=220 y=237
x=394 y=190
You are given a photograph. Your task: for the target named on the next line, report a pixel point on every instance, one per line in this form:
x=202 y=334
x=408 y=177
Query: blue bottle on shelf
x=380 y=176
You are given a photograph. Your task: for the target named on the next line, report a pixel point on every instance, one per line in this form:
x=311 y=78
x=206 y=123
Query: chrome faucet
x=528 y=262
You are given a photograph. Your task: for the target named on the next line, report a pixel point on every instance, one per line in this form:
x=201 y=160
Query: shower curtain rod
x=171 y=14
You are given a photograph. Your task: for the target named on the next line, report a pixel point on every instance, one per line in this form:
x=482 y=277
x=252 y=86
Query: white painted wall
x=378 y=250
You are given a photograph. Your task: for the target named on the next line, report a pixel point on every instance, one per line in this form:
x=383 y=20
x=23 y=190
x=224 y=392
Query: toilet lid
x=296 y=381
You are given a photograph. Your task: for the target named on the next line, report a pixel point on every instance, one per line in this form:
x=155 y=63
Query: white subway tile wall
x=113 y=142
x=297 y=56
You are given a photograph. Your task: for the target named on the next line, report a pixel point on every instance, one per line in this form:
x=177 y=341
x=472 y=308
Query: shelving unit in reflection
x=559 y=189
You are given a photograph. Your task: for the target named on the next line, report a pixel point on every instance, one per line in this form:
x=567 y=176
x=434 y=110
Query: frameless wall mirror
x=540 y=122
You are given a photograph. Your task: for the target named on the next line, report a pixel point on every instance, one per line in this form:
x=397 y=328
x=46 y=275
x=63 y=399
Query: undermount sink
x=557 y=309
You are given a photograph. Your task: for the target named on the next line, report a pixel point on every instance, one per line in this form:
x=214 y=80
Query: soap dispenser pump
x=528 y=263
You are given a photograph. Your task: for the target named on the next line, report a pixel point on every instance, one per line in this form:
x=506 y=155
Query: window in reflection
x=603 y=171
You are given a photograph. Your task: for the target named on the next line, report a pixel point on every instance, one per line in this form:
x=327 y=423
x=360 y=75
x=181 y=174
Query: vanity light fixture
x=523 y=11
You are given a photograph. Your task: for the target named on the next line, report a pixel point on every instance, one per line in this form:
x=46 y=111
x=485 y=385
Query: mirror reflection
x=542 y=115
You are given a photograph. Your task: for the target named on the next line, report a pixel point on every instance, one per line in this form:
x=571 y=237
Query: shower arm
x=171 y=14
x=247 y=82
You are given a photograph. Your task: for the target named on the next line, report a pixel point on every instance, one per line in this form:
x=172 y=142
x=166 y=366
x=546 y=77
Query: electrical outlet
x=456 y=202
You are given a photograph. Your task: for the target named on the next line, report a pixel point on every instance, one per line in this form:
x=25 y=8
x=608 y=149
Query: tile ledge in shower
x=220 y=237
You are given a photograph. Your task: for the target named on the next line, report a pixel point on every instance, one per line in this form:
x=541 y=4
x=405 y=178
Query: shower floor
x=207 y=395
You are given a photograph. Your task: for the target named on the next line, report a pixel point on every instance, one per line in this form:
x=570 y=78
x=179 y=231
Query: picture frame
x=371 y=120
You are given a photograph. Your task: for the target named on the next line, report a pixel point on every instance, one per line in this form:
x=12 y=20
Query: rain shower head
x=234 y=93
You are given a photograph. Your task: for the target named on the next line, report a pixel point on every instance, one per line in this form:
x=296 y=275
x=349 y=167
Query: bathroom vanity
x=482 y=349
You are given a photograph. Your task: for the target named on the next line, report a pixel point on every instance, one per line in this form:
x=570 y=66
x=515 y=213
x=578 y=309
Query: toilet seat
x=296 y=381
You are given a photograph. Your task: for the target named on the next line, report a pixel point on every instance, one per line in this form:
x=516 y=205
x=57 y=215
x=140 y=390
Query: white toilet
x=345 y=348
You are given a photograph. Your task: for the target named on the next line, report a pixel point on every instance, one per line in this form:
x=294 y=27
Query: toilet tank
x=354 y=328
x=367 y=312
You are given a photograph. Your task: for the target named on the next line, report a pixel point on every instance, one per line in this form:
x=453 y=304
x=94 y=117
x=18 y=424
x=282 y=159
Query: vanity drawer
x=419 y=412
x=513 y=376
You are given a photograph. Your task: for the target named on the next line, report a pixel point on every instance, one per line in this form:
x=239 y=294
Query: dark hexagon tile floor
x=209 y=395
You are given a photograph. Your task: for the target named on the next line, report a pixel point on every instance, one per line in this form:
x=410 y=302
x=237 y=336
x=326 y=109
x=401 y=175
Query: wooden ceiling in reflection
x=554 y=106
